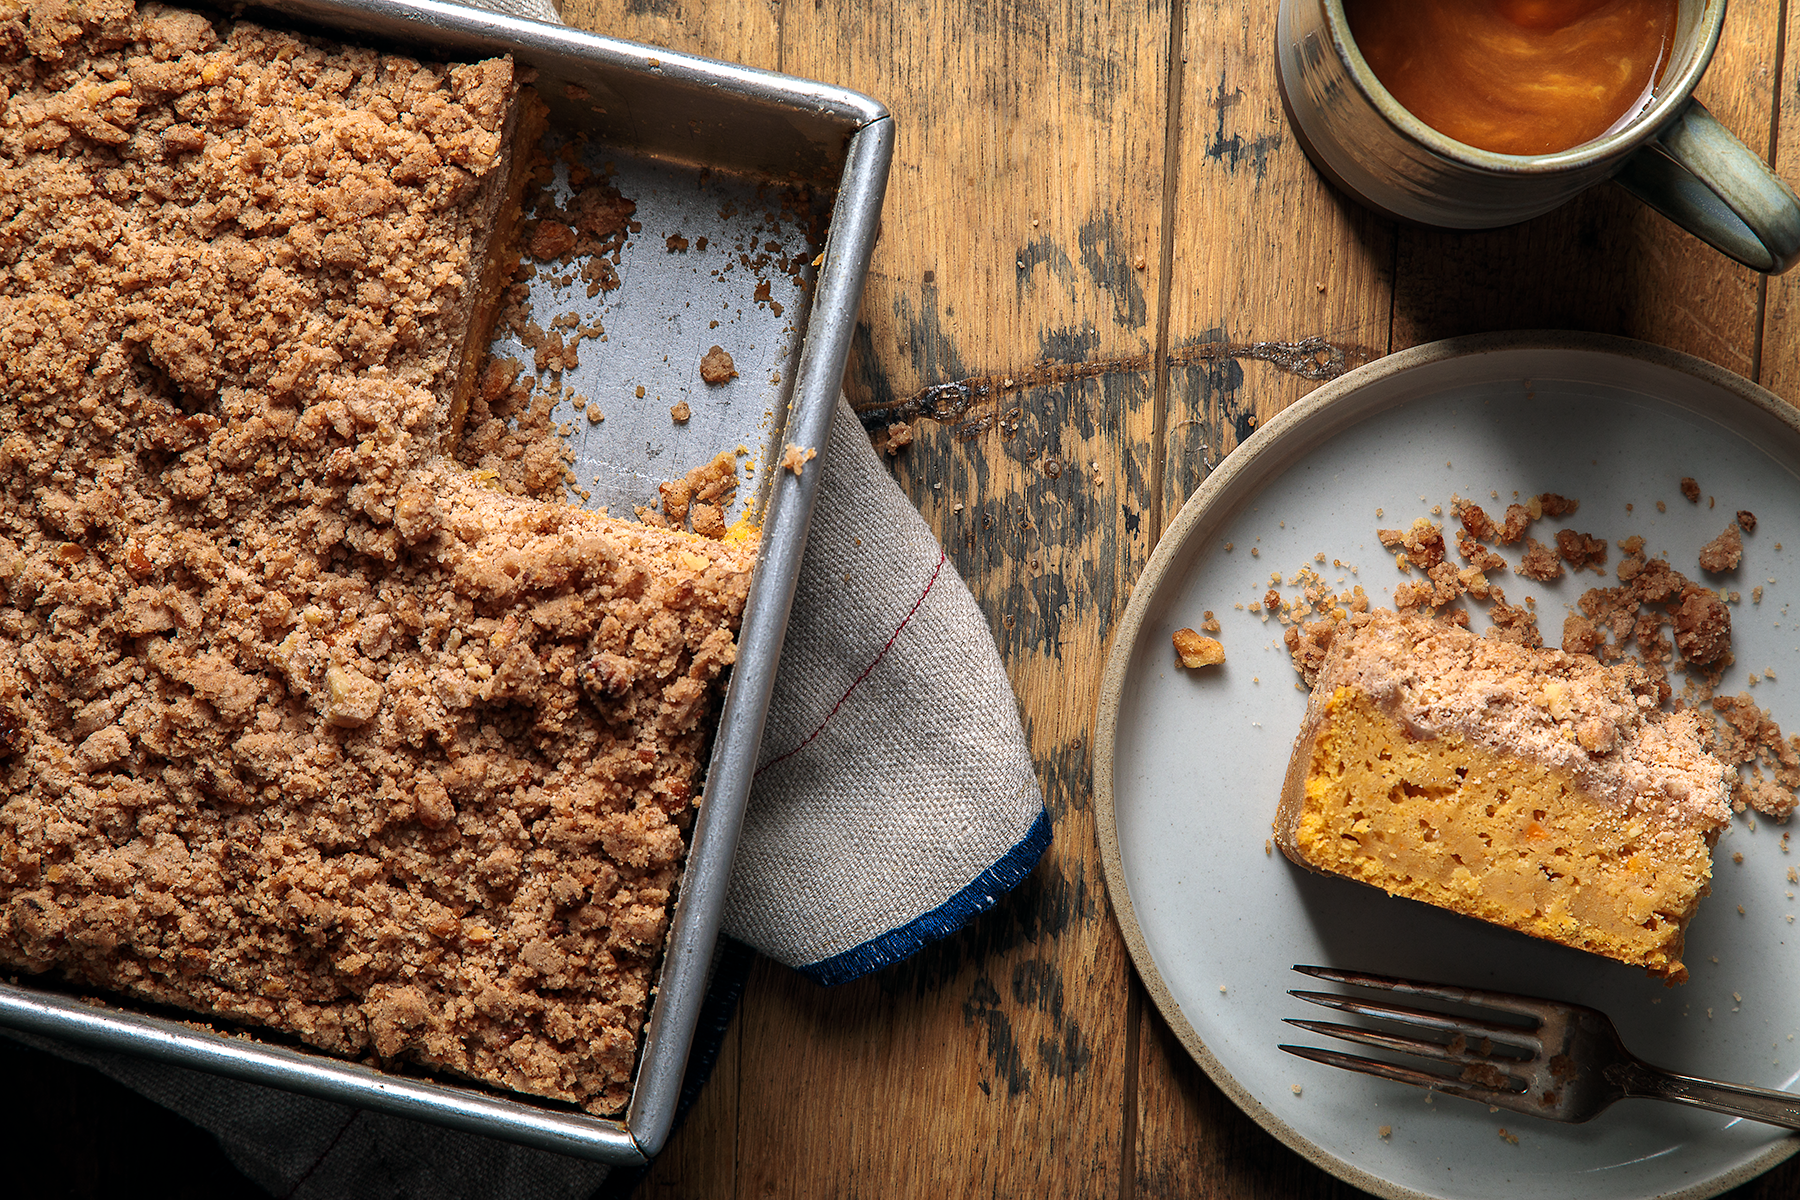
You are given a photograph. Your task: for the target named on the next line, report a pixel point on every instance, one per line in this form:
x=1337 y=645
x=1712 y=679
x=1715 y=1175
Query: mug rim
x=1663 y=108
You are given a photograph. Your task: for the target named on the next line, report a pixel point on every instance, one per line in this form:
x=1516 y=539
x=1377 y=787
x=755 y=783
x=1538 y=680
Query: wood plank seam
x=1770 y=152
x=1159 y=401
x=1159 y=396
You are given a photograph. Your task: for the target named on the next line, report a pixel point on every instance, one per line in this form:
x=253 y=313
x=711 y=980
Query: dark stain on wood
x=1110 y=260
x=983 y=1009
x=1044 y=907
x=953 y=402
x=1041 y=252
x=1038 y=983
x=1067 y=776
x=1234 y=149
x=1067 y=1058
x=1053 y=508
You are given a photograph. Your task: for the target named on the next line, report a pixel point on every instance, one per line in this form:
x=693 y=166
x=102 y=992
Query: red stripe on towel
x=894 y=637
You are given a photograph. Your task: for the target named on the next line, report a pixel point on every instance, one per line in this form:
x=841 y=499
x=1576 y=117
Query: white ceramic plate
x=1188 y=765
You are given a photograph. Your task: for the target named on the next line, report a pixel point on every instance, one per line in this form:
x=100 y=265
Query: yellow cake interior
x=1509 y=840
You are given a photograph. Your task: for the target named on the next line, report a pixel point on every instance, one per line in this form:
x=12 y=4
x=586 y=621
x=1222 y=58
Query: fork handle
x=1756 y=1104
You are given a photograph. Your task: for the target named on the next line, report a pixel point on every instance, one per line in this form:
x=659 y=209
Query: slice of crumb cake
x=1533 y=789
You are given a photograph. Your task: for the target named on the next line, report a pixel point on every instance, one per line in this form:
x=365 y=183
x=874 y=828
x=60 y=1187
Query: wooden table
x=1098 y=215
x=1099 y=218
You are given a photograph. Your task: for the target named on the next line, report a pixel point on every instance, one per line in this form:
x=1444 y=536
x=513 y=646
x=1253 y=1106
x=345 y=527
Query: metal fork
x=1562 y=1061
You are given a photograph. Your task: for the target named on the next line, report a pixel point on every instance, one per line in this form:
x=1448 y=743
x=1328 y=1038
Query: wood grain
x=748 y=32
x=1009 y=250
x=1278 y=282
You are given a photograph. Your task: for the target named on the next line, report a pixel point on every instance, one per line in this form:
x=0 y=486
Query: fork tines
x=1483 y=1049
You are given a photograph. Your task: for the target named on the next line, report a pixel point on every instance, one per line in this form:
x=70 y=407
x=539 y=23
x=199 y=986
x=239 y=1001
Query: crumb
x=1690 y=489
x=1385 y=1132
x=1724 y=552
x=795 y=458
x=1540 y=562
x=712 y=484
x=1746 y=520
x=895 y=438
x=1424 y=544
x=716 y=366
x=1702 y=625
x=1196 y=651
x=680 y=412
x=1581 y=635
x=1294 y=1088
x=1553 y=505
x=1581 y=550
x=1509 y=1137
x=1518 y=518
x=1475 y=522
x=1479 y=556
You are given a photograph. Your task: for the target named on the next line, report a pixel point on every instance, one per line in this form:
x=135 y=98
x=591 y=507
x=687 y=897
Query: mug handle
x=1697 y=174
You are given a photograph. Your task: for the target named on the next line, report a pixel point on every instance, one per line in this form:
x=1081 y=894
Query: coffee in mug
x=1517 y=76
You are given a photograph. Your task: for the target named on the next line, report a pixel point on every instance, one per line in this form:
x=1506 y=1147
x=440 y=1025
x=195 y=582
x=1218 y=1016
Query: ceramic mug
x=1674 y=155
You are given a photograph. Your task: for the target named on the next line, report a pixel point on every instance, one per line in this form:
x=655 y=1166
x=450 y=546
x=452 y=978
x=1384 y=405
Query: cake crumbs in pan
x=716 y=367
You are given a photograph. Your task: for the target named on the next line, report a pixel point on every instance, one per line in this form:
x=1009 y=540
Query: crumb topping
x=1600 y=723
x=1724 y=552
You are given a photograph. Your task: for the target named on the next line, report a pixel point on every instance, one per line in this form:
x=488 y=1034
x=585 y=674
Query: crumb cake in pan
x=1533 y=789
x=303 y=725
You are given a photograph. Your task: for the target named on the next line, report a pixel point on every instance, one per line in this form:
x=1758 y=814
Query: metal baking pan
x=734 y=172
